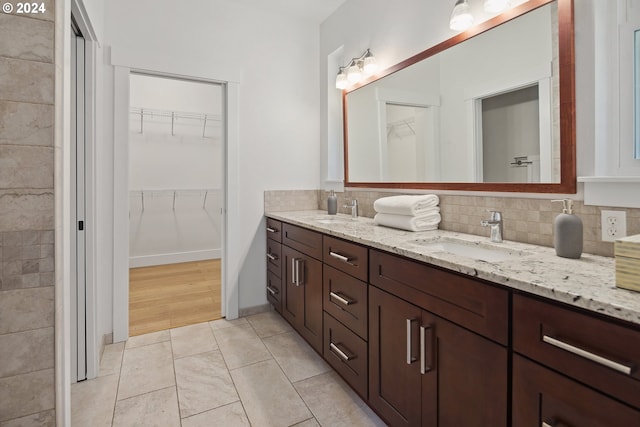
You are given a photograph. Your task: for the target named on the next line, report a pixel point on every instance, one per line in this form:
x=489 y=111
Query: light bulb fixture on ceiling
x=357 y=69
x=461 y=17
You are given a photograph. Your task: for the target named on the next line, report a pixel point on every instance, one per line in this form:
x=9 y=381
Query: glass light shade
x=354 y=74
x=461 y=17
x=495 y=6
x=341 y=81
x=369 y=65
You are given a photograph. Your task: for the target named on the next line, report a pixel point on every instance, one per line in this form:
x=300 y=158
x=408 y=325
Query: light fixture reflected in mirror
x=356 y=70
x=495 y=6
x=461 y=17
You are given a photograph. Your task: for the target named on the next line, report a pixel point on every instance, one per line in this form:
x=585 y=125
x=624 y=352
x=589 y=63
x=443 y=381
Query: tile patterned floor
x=254 y=371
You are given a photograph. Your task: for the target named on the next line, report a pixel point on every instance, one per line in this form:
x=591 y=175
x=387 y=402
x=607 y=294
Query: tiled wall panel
x=27 y=395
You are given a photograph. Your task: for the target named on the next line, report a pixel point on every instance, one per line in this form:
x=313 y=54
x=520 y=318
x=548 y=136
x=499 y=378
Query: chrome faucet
x=354 y=208
x=495 y=222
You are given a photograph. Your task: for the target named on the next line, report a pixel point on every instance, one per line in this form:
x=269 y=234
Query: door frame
x=123 y=66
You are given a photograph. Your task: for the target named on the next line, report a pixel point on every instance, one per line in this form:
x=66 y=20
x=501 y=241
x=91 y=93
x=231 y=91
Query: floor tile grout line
x=115 y=401
x=175 y=378
x=285 y=374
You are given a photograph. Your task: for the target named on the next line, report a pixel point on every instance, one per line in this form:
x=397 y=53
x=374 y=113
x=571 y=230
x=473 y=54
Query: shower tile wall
x=27 y=395
x=525 y=220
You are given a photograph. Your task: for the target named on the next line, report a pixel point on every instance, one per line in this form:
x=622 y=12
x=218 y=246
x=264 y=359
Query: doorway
x=176 y=176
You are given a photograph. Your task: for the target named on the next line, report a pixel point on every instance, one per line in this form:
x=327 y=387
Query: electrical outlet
x=613 y=225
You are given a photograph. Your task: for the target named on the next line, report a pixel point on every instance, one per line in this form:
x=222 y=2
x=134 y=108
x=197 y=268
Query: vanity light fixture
x=357 y=69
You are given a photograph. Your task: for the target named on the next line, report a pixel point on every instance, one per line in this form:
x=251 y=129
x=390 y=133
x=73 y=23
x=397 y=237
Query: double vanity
x=442 y=328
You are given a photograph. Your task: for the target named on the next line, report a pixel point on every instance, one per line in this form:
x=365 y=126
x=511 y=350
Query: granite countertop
x=588 y=282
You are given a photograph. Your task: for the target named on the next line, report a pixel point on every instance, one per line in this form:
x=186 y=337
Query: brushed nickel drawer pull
x=272 y=291
x=272 y=257
x=341 y=354
x=544 y=424
x=587 y=355
x=340 y=298
x=410 y=358
x=271 y=230
x=339 y=257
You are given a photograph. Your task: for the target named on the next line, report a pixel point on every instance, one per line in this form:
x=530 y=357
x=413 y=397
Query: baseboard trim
x=174 y=258
x=256 y=309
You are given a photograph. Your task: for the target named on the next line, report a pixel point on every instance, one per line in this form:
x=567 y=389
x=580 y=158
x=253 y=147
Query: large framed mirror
x=491 y=109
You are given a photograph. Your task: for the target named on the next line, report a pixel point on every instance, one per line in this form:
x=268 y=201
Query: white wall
x=394 y=33
x=275 y=60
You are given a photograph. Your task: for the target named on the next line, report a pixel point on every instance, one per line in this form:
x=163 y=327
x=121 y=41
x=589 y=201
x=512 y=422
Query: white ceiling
x=310 y=10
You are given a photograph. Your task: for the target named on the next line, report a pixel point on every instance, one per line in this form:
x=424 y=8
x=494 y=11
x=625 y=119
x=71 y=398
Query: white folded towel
x=410 y=223
x=406 y=205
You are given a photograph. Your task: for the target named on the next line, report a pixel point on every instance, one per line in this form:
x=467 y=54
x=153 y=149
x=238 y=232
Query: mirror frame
x=566 y=60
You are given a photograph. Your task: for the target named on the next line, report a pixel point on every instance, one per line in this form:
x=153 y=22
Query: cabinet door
x=542 y=397
x=394 y=353
x=465 y=376
x=302 y=299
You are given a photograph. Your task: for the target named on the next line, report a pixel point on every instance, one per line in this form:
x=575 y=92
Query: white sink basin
x=329 y=219
x=477 y=251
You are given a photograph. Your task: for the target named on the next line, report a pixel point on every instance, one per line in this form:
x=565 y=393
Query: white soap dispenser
x=567 y=232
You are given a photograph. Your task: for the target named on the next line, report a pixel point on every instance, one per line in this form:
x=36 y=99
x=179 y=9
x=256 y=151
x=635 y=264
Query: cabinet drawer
x=347 y=353
x=475 y=305
x=345 y=256
x=602 y=354
x=274 y=291
x=345 y=298
x=274 y=230
x=274 y=257
x=306 y=241
x=542 y=397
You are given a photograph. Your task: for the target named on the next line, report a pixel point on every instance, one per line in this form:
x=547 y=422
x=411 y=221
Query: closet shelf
x=151 y=114
x=174 y=193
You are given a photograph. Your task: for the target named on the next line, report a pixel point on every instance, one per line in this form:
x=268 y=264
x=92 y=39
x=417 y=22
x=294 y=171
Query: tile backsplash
x=525 y=220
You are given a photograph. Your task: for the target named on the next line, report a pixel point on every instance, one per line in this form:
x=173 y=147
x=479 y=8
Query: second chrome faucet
x=495 y=222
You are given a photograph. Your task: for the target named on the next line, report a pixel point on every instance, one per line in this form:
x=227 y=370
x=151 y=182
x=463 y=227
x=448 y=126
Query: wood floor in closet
x=168 y=296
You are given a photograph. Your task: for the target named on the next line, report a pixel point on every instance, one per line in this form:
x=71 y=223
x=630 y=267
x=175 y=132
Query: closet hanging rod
x=209 y=117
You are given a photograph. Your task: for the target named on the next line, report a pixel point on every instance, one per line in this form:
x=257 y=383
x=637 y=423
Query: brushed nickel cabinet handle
x=545 y=424
x=341 y=354
x=272 y=291
x=299 y=271
x=272 y=257
x=294 y=271
x=424 y=365
x=340 y=298
x=271 y=230
x=339 y=257
x=410 y=358
x=587 y=355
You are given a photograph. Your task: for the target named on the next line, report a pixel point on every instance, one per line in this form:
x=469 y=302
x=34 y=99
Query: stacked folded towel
x=412 y=213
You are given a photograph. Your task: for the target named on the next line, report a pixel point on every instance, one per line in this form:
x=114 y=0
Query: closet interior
x=176 y=143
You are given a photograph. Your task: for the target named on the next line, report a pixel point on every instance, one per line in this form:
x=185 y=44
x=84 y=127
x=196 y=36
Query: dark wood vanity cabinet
x=274 y=263
x=573 y=368
x=425 y=346
x=424 y=369
x=302 y=282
